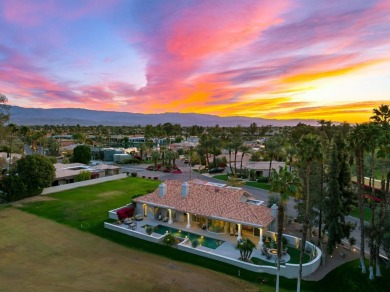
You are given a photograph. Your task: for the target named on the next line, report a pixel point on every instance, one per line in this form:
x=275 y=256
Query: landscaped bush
x=195 y=243
x=82 y=176
x=273 y=199
x=134 y=174
x=169 y=240
x=149 y=229
x=130 y=161
x=263 y=179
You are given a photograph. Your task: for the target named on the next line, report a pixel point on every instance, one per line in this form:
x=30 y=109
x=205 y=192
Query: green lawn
x=87 y=209
x=367 y=213
x=254 y=184
x=294 y=257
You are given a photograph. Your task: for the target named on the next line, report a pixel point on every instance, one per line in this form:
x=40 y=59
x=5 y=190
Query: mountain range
x=85 y=117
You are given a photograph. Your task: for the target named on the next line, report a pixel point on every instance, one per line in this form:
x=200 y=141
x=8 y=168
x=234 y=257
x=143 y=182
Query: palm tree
x=244 y=150
x=245 y=247
x=273 y=148
x=381 y=114
x=309 y=150
x=358 y=144
x=382 y=117
x=371 y=134
x=155 y=156
x=287 y=184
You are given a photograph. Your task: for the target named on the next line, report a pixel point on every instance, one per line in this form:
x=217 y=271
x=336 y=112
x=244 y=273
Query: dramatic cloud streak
x=272 y=59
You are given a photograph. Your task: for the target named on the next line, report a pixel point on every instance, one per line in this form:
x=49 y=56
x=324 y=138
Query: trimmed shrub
x=149 y=229
x=134 y=174
x=169 y=240
x=82 y=176
x=263 y=179
x=195 y=243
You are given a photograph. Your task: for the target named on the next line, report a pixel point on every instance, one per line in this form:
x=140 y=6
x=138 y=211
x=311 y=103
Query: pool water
x=203 y=240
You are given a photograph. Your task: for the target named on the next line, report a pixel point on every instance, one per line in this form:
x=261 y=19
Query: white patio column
x=261 y=238
x=239 y=232
x=188 y=221
x=170 y=216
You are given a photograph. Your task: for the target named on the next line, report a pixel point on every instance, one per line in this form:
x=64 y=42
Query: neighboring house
x=218 y=208
x=262 y=167
x=66 y=173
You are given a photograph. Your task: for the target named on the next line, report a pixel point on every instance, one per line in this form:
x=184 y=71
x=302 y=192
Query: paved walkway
x=341 y=255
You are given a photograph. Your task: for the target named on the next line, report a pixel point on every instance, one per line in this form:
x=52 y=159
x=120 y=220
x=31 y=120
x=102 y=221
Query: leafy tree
x=333 y=215
x=4 y=109
x=13 y=188
x=36 y=172
x=82 y=154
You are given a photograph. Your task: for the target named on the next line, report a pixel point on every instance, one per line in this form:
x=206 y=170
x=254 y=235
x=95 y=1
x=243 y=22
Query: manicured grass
x=255 y=184
x=221 y=177
x=87 y=209
x=260 y=185
x=367 y=213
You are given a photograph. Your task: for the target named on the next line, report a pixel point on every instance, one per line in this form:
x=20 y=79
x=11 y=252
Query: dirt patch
x=41 y=255
x=32 y=199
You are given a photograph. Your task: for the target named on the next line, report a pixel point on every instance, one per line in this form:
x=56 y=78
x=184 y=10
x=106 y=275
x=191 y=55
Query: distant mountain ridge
x=85 y=117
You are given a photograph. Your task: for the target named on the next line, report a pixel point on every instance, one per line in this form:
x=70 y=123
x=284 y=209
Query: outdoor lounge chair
x=159 y=217
x=165 y=219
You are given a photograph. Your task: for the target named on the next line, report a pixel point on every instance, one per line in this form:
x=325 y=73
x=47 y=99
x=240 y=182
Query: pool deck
x=227 y=248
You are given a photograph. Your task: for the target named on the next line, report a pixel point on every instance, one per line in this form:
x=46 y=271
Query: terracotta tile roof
x=210 y=201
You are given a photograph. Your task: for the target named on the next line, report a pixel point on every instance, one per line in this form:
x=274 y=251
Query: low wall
x=152 y=238
x=307 y=268
x=56 y=189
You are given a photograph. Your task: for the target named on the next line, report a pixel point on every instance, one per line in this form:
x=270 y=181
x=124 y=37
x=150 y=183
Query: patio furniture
x=159 y=217
x=285 y=251
x=165 y=219
x=133 y=225
x=138 y=217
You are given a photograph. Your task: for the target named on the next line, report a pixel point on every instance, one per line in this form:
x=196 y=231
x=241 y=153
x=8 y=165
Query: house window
x=256 y=232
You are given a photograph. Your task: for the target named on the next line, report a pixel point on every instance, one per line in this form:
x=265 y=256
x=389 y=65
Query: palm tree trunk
x=372 y=229
x=230 y=161
x=279 y=240
x=304 y=227
x=235 y=161
x=242 y=158
x=360 y=180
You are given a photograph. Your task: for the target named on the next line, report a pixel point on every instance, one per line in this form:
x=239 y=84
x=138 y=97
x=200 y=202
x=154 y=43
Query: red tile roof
x=210 y=201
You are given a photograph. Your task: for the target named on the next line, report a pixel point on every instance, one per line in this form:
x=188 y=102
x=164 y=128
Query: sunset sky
x=279 y=59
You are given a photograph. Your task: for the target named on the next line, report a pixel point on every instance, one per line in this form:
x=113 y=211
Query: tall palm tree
x=287 y=184
x=244 y=150
x=372 y=134
x=273 y=149
x=155 y=156
x=309 y=150
x=381 y=116
x=358 y=143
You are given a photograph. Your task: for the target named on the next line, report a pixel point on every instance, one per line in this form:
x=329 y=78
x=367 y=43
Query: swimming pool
x=203 y=240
